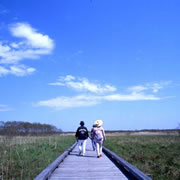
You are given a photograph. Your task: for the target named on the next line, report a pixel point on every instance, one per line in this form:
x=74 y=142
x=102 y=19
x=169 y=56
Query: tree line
x=15 y=128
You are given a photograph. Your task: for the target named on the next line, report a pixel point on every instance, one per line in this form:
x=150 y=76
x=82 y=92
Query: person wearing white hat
x=98 y=135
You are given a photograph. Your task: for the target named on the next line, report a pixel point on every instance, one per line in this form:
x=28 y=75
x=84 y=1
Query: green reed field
x=25 y=157
x=157 y=156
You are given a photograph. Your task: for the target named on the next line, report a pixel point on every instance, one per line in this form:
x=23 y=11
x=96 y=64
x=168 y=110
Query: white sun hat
x=98 y=122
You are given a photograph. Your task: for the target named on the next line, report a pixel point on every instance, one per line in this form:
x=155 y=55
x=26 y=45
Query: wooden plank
x=87 y=178
x=87 y=167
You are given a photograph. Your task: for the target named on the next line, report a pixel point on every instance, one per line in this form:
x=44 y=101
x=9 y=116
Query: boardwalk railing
x=131 y=171
x=46 y=173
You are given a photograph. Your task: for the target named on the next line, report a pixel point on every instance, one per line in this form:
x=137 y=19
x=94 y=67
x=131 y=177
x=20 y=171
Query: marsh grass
x=156 y=156
x=25 y=157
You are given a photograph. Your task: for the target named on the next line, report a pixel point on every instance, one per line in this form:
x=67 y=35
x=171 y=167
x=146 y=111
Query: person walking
x=98 y=136
x=92 y=139
x=81 y=136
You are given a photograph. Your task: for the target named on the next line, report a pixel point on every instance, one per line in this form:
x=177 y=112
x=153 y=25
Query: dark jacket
x=82 y=133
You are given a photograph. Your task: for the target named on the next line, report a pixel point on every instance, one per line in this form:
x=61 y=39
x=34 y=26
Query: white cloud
x=32 y=45
x=83 y=84
x=130 y=97
x=157 y=86
x=98 y=93
x=31 y=36
x=137 y=88
x=15 y=45
x=3 y=71
x=17 y=70
x=67 y=78
x=70 y=102
x=56 y=84
x=90 y=100
x=5 y=108
x=154 y=87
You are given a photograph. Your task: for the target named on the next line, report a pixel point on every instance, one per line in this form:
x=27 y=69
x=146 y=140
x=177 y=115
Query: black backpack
x=83 y=133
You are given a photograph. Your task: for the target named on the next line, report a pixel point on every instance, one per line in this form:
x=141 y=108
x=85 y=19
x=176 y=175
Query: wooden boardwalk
x=75 y=167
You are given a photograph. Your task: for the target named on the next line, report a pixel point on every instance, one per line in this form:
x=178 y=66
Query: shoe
x=98 y=156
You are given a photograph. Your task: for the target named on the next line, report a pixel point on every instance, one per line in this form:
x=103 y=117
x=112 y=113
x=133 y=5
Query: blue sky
x=64 y=61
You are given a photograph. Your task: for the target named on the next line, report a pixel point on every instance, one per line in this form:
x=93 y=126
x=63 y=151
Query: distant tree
x=12 y=128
